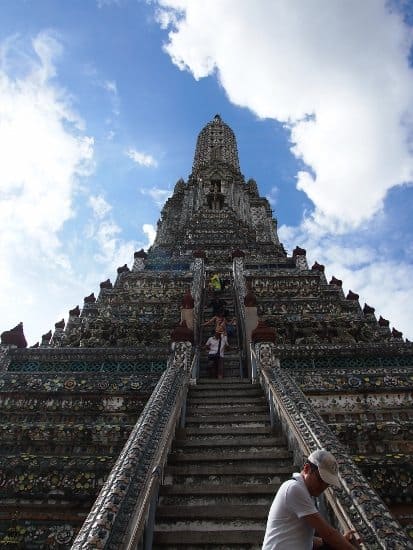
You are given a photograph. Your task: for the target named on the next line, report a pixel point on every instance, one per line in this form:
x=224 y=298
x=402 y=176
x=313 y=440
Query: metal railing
x=356 y=505
x=123 y=514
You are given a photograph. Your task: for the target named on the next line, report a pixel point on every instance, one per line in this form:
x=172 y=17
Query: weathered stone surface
x=68 y=406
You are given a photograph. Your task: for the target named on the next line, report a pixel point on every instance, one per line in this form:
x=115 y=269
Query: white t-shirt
x=285 y=528
x=213 y=343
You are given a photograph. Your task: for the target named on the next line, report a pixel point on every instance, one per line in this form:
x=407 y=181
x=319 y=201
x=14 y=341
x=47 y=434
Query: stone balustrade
x=356 y=505
x=117 y=517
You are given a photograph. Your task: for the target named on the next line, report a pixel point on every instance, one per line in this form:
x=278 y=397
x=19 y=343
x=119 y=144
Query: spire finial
x=216 y=143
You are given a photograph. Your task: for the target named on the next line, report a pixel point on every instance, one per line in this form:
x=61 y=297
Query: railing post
x=195 y=365
x=150 y=522
x=239 y=292
x=272 y=410
x=198 y=283
x=253 y=366
x=182 y=420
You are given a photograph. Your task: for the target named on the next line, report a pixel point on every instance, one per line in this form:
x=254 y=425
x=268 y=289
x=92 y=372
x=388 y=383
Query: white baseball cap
x=327 y=466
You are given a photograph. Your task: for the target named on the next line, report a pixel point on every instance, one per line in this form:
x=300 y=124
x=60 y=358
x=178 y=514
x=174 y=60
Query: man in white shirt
x=216 y=347
x=293 y=517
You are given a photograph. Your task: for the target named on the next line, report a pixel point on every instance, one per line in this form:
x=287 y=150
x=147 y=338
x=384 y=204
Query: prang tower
x=112 y=435
x=216 y=210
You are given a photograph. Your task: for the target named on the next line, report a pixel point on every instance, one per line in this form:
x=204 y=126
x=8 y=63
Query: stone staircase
x=224 y=469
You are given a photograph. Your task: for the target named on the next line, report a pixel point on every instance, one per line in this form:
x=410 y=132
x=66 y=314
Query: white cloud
x=150 y=232
x=110 y=251
x=45 y=157
x=272 y=196
x=143 y=159
x=335 y=73
x=158 y=195
x=44 y=153
x=105 y=3
x=99 y=206
x=111 y=87
x=381 y=283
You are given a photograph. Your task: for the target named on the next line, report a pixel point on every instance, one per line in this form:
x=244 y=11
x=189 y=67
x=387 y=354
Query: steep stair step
x=227 y=419
x=228 y=479
x=228 y=399
x=227 y=382
x=206 y=411
x=230 y=511
x=215 y=535
x=230 y=390
x=226 y=395
x=221 y=406
x=229 y=430
x=222 y=392
x=228 y=456
x=213 y=501
x=202 y=489
x=230 y=442
x=229 y=469
x=206 y=392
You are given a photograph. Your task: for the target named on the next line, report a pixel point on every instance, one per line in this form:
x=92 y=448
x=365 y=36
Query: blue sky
x=101 y=102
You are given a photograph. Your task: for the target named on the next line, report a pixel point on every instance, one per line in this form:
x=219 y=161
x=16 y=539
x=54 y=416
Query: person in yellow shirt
x=215 y=283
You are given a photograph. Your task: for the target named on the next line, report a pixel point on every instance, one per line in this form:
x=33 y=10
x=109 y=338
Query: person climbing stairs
x=216 y=303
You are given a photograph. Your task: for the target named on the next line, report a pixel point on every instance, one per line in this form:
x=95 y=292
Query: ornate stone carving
x=299 y=255
x=352 y=296
x=367 y=310
x=106 y=285
x=383 y=322
x=105 y=362
x=14 y=337
x=250 y=299
x=182 y=333
x=314 y=433
x=139 y=259
x=317 y=267
x=263 y=333
x=216 y=143
x=108 y=520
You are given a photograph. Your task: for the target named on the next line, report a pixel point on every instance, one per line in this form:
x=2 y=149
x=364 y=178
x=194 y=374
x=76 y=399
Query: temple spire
x=216 y=144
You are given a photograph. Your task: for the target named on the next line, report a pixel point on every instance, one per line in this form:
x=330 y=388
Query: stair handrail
x=143 y=531
x=195 y=364
x=356 y=505
x=239 y=294
x=198 y=291
x=117 y=518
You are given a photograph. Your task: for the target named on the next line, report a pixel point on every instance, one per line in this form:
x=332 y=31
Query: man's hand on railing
x=350 y=536
x=353 y=538
x=317 y=542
